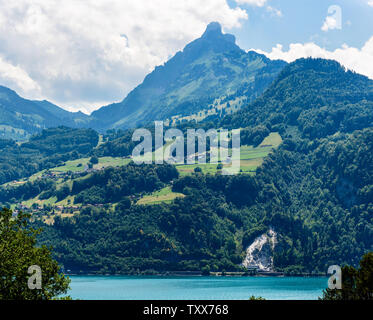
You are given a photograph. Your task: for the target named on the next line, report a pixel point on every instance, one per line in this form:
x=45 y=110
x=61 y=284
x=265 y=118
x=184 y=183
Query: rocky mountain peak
x=214 y=31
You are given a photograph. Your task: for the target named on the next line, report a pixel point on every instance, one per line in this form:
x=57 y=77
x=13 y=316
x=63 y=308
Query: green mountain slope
x=19 y=118
x=212 y=76
x=209 y=68
x=318 y=200
x=311 y=97
x=315 y=191
x=46 y=150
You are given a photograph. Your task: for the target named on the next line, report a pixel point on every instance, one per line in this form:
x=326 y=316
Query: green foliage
x=188 y=234
x=357 y=284
x=197 y=170
x=212 y=67
x=19 y=118
x=46 y=150
x=124 y=204
x=112 y=184
x=63 y=140
x=118 y=143
x=94 y=160
x=253 y=137
x=317 y=97
x=18 y=251
x=46 y=188
x=251 y=234
x=162 y=237
x=313 y=196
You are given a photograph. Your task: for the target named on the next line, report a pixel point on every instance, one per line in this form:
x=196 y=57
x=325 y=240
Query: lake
x=195 y=288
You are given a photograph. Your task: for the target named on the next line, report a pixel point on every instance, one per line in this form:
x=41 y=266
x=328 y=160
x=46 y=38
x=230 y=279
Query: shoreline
x=259 y=274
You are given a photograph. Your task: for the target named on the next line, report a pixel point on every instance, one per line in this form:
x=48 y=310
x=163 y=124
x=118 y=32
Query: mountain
x=19 y=117
x=313 y=98
x=316 y=198
x=45 y=150
x=212 y=74
x=211 y=77
x=314 y=191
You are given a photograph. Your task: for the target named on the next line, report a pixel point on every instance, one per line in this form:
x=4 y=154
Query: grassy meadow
x=162 y=196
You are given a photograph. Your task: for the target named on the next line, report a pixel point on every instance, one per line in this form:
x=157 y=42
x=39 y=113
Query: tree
x=356 y=284
x=18 y=252
x=94 y=160
x=124 y=204
x=253 y=298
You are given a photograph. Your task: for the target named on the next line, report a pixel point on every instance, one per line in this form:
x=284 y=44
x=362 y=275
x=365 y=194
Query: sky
x=84 y=54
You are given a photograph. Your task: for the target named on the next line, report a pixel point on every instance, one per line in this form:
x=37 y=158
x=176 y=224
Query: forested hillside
x=45 y=150
x=310 y=99
x=319 y=198
x=314 y=191
x=315 y=96
x=316 y=196
x=20 y=118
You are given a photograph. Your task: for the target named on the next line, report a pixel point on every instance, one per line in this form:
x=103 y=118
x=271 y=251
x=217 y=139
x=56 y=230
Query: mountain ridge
x=205 y=70
x=20 y=118
x=315 y=190
x=212 y=75
x=317 y=96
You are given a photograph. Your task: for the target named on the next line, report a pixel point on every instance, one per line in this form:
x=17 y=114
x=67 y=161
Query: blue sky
x=83 y=54
x=301 y=21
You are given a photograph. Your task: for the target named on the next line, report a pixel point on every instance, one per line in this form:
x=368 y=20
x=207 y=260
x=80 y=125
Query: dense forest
x=112 y=184
x=315 y=191
x=311 y=99
x=315 y=96
x=316 y=195
x=46 y=150
x=187 y=235
x=106 y=186
x=320 y=200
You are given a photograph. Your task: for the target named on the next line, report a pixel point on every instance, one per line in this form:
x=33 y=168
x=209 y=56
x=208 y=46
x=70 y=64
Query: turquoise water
x=195 y=288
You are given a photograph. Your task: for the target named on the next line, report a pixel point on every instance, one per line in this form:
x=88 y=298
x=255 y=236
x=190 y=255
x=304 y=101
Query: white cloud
x=84 y=53
x=359 y=60
x=18 y=77
x=370 y=3
x=258 y=3
x=261 y=3
x=274 y=11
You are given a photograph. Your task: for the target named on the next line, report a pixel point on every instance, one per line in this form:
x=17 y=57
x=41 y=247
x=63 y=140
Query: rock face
x=260 y=253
